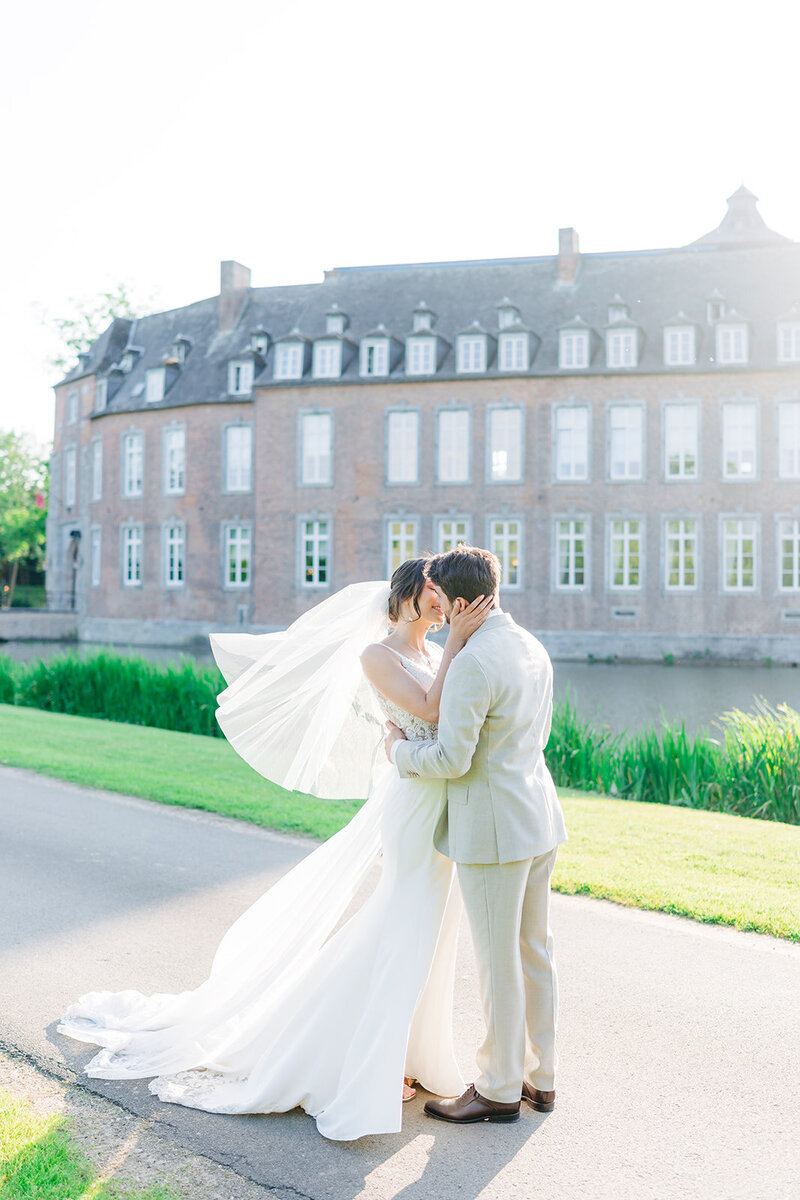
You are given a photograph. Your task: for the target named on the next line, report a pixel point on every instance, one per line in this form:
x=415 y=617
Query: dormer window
x=513 y=351
x=259 y=342
x=240 y=377
x=618 y=311
x=715 y=307
x=327 y=360
x=289 y=360
x=621 y=348
x=421 y=356
x=180 y=348
x=573 y=349
x=732 y=343
x=335 y=320
x=471 y=353
x=789 y=341
x=374 y=356
x=679 y=346
x=154 y=385
x=100 y=394
x=423 y=317
x=126 y=362
x=507 y=314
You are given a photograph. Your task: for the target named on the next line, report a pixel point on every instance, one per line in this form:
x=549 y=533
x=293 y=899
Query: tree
x=89 y=320
x=23 y=508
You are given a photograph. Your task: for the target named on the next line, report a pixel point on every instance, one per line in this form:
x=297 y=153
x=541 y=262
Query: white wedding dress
x=302 y=1008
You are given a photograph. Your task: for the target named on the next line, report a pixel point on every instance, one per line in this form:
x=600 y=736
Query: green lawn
x=710 y=866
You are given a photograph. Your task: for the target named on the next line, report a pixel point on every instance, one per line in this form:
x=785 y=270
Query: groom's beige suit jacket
x=494 y=722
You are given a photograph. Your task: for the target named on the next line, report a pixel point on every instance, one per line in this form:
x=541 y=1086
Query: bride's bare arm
x=386 y=673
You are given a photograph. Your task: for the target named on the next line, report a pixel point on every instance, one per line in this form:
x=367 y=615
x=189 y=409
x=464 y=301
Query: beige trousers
x=508 y=906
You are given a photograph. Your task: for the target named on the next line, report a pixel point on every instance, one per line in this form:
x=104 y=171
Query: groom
x=502 y=826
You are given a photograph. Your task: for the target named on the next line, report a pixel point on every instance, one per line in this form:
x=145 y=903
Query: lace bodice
x=413 y=727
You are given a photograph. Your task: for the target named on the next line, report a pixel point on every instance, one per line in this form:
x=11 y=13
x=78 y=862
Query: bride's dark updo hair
x=407 y=582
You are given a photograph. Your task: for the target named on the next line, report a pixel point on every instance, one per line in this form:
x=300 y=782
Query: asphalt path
x=680 y=1044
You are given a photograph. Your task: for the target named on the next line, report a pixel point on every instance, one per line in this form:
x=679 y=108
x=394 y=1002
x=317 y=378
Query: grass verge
x=710 y=866
x=39 y=1161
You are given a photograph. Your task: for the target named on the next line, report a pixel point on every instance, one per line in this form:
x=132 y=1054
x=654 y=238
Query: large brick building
x=623 y=429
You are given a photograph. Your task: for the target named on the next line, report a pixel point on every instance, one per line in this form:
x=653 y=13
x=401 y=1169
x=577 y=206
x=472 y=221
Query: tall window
x=240 y=377
x=789 y=341
x=450 y=531
x=625 y=421
x=505 y=444
x=100 y=394
x=731 y=343
x=174 y=549
x=95 y=564
x=679 y=345
x=680 y=557
x=316 y=431
x=238 y=540
x=621 y=348
x=472 y=354
x=573 y=348
x=514 y=352
x=154 y=385
x=739 y=549
x=132 y=464
x=571 y=553
x=132 y=555
x=572 y=443
x=505 y=539
x=327 y=360
x=238 y=458
x=72 y=406
x=421 y=356
x=315 y=552
x=625 y=554
x=375 y=356
x=789 y=554
x=174 y=461
x=789 y=439
x=402 y=464
x=97 y=468
x=288 y=361
x=739 y=437
x=453 y=447
x=401 y=542
x=70 y=475
x=680 y=441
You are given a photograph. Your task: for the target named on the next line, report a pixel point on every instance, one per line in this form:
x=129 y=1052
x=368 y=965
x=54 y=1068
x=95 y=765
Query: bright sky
x=147 y=142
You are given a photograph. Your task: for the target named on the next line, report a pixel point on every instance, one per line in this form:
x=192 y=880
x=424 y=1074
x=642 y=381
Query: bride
x=308 y=1003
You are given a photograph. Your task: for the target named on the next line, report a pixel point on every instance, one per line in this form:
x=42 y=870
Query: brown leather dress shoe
x=470 y=1108
x=541 y=1101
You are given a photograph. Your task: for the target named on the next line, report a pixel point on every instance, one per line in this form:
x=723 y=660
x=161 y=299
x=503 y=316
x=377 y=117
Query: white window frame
x=571 y=535
x=401 y=457
x=729 y=350
x=100 y=395
x=378 y=347
x=401 y=535
x=726 y=535
x=748 y=445
x=788 y=530
x=289 y=360
x=562 y=434
x=513 y=352
x=155 y=383
x=680 y=345
x=327 y=359
x=95 y=556
x=72 y=406
x=626 y=476
x=573 y=349
x=471 y=353
x=687 y=538
x=789 y=341
x=237 y=536
x=447 y=476
x=174 y=481
x=240 y=377
x=97 y=468
x=452 y=530
x=632 y=543
x=315 y=531
x=238 y=475
x=788 y=416
x=684 y=452
x=502 y=530
x=132 y=449
x=421 y=356
x=132 y=554
x=174 y=536
x=622 y=349
x=315 y=470
x=70 y=475
x=496 y=412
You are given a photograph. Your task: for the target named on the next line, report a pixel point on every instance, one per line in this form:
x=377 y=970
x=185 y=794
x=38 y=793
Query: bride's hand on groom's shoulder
x=466 y=618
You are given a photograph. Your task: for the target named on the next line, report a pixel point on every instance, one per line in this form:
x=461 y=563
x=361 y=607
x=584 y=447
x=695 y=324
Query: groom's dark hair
x=467 y=571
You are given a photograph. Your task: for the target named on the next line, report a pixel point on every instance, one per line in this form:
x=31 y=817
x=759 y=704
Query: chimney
x=569 y=255
x=234 y=285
